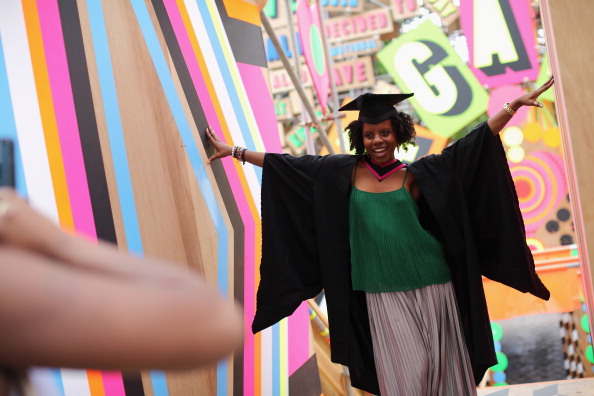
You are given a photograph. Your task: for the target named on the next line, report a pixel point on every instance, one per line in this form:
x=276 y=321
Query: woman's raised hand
x=499 y=120
x=222 y=149
x=529 y=99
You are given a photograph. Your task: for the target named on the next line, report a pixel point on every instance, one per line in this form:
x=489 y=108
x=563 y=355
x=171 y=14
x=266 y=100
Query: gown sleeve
x=289 y=270
x=476 y=165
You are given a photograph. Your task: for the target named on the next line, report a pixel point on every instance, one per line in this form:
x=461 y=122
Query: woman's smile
x=380 y=141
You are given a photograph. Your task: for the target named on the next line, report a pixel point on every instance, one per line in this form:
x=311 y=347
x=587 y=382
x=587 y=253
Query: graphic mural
x=107 y=102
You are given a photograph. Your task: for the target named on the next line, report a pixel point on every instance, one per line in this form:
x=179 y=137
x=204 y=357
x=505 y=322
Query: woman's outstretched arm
x=499 y=120
x=68 y=302
x=223 y=150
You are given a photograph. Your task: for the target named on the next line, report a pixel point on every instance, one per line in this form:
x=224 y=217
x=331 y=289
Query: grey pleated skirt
x=418 y=343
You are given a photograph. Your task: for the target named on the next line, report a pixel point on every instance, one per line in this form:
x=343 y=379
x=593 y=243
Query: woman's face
x=380 y=141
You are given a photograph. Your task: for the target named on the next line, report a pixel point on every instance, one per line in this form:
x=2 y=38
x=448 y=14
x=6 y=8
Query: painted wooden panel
x=107 y=102
x=568 y=32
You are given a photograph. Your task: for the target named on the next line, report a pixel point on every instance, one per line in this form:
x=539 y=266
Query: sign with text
x=342 y=5
x=281 y=82
x=282 y=108
x=310 y=27
x=446 y=10
x=284 y=38
x=447 y=95
x=402 y=9
x=354 y=27
x=353 y=74
x=358 y=47
x=338 y=50
x=276 y=11
x=500 y=36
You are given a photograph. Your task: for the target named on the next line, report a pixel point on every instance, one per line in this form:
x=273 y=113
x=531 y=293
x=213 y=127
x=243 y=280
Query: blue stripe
x=57 y=375
x=114 y=126
x=159 y=383
x=8 y=126
x=276 y=366
x=228 y=79
x=193 y=154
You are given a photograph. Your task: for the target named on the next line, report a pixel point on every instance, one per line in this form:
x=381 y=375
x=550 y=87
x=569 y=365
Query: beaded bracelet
x=242 y=155
x=238 y=153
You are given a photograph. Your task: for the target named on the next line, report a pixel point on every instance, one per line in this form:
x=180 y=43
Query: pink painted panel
x=500 y=37
x=310 y=31
x=262 y=105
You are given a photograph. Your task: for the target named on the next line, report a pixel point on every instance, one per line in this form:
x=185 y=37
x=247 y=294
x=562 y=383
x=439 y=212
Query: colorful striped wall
x=107 y=102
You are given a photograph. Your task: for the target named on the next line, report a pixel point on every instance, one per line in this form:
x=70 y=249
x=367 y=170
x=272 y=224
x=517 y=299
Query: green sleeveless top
x=390 y=251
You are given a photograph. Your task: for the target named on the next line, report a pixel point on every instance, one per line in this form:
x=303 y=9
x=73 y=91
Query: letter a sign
x=500 y=36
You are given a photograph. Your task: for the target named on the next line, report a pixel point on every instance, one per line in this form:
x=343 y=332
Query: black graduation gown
x=468 y=201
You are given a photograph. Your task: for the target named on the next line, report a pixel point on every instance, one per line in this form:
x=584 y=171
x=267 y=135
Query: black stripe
x=133 y=384
x=87 y=123
x=245 y=39
x=217 y=168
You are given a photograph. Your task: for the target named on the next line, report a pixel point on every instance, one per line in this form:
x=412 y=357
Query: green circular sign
x=497 y=331
x=585 y=324
x=317 y=49
x=502 y=362
x=590 y=354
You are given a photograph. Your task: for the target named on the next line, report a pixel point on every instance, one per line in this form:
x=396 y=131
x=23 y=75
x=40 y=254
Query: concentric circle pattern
x=541 y=185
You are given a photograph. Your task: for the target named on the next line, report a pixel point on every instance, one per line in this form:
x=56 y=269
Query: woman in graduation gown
x=399 y=250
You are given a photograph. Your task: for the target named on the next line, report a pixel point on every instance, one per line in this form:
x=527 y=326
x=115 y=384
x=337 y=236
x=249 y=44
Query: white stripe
x=75 y=382
x=43 y=382
x=26 y=109
x=266 y=359
x=221 y=91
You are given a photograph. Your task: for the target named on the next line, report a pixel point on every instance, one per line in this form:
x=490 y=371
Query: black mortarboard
x=375 y=108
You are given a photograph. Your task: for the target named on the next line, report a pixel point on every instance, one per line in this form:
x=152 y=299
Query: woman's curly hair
x=401 y=123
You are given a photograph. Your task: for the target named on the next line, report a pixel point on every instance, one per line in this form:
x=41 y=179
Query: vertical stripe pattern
x=84 y=149
x=418 y=344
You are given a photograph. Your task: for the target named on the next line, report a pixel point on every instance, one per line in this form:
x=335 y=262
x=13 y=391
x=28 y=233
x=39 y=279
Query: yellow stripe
x=284 y=358
x=48 y=118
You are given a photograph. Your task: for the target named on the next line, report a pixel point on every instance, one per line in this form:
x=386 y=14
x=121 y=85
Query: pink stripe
x=249 y=265
x=387 y=174
x=262 y=105
x=113 y=384
x=59 y=76
x=298 y=331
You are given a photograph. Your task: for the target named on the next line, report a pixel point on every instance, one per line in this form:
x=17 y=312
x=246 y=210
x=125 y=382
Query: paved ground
x=534 y=348
x=577 y=387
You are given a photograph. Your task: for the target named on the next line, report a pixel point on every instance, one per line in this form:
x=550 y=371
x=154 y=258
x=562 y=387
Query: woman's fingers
x=210 y=134
x=531 y=99
x=546 y=85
